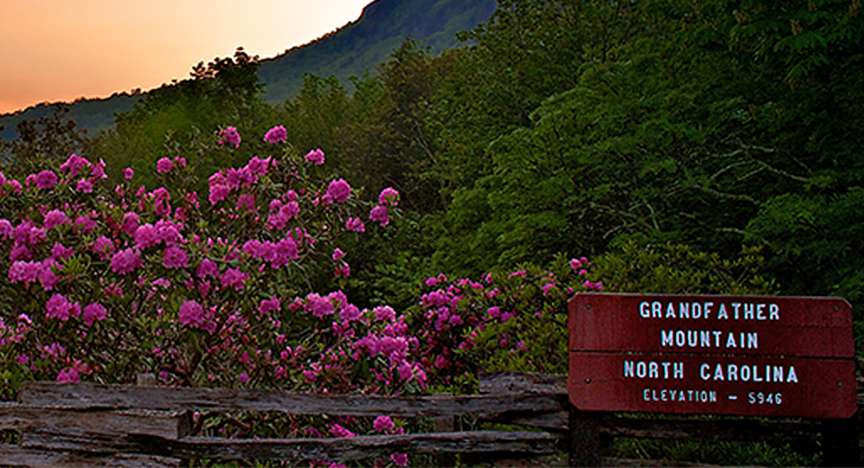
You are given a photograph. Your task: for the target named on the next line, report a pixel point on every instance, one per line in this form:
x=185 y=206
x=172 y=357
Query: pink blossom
x=161 y=201
x=405 y=371
x=19 y=252
x=338 y=191
x=61 y=252
x=338 y=430
x=384 y=313
x=380 y=215
x=337 y=254
x=388 y=197
x=243 y=378
x=318 y=306
x=315 y=157
x=125 y=261
x=164 y=165
x=343 y=270
x=93 y=313
x=399 y=459
x=547 y=288
x=58 y=307
x=14 y=185
x=74 y=165
x=55 y=218
x=24 y=272
x=207 y=268
x=275 y=135
x=383 y=424
x=146 y=236
x=281 y=214
x=128 y=174
x=175 y=257
x=85 y=224
x=229 y=136
x=286 y=250
x=246 y=202
x=260 y=250
x=218 y=193
x=233 y=278
x=97 y=171
x=168 y=232
x=84 y=186
x=355 y=225
x=192 y=314
x=131 y=222
x=47 y=278
x=46 y=180
x=350 y=313
x=68 y=375
x=5 y=228
x=269 y=305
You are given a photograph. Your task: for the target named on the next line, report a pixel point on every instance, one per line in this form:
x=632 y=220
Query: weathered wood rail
x=110 y=425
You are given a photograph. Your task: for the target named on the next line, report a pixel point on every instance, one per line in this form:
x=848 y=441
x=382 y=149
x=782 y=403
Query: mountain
x=90 y=114
x=360 y=46
x=352 y=50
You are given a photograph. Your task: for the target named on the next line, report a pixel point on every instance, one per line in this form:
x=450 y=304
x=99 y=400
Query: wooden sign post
x=725 y=355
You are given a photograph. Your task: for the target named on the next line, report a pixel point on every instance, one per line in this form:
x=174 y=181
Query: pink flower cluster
x=316 y=157
x=229 y=136
x=60 y=308
x=194 y=315
x=166 y=165
x=223 y=183
x=461 y=315
x=337 y=192
x=281 y=213
x=276 y=135
x=214 y=294
x=380 y=214
x=276 y=254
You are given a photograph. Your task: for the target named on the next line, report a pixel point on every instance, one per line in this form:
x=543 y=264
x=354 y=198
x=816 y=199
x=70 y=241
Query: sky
x=60 y=50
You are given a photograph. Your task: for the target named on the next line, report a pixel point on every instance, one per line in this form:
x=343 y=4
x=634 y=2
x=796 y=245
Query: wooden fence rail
x=112 y=425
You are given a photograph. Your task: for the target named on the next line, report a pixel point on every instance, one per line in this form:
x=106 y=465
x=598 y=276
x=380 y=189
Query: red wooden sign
x=739 y=355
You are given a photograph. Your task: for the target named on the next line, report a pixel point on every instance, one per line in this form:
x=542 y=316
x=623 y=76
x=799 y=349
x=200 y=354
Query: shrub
x=238 y=289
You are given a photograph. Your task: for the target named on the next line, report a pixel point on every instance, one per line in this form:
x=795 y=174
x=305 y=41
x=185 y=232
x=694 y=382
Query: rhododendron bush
x=243 y=286
x=513 y=320
x=102 y=282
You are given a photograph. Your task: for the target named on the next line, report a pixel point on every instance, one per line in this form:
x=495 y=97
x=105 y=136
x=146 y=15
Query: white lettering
x=644 y=310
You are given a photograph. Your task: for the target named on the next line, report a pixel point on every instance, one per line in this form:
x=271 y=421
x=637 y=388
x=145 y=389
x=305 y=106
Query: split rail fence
x=111 y=425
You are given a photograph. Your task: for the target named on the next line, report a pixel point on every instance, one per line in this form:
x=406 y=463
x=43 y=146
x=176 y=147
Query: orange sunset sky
x=59 y=50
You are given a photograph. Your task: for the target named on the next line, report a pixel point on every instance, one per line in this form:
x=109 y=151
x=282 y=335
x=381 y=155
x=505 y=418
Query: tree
x=49 y=138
